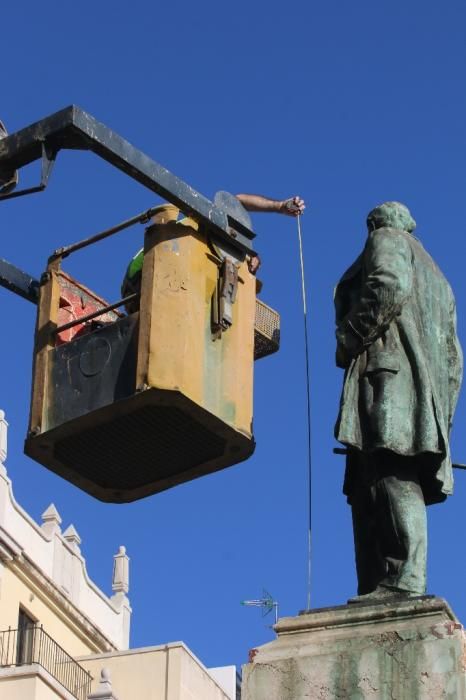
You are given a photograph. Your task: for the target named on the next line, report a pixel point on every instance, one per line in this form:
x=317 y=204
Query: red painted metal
x=76 y=300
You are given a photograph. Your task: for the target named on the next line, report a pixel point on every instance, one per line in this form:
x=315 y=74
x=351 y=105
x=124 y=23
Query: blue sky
x=346 y=104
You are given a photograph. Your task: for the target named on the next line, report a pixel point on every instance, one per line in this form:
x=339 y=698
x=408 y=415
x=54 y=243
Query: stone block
x=411 y=649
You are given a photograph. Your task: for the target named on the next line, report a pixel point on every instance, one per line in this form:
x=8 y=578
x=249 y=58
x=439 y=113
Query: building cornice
x=42 y=586
x=51 y=562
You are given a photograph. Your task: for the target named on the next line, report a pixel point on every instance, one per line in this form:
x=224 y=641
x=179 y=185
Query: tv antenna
x=267 y=603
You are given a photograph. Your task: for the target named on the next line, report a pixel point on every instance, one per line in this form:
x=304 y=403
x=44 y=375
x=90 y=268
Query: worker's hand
x=254 y=264
x=294 y=206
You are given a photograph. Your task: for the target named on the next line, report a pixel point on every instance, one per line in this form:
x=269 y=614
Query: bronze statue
x=396 y=340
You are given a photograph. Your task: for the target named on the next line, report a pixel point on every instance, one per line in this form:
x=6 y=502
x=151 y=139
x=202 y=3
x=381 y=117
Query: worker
x=293 y=206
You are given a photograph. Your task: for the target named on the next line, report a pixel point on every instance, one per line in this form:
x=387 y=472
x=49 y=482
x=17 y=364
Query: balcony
x=31 y=645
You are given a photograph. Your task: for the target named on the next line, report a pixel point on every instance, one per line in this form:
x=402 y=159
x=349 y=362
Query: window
x=25 y=640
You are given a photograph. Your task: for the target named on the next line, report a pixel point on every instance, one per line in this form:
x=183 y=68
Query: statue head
x=391 y=215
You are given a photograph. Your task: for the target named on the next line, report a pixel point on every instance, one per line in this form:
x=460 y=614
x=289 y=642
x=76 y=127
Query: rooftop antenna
x=267 y=603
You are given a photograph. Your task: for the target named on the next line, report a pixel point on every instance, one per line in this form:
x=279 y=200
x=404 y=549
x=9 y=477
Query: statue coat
x=397 y=341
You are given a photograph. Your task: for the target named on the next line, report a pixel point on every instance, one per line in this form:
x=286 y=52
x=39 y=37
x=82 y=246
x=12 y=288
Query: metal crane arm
x=73 y=128
x=19 y=282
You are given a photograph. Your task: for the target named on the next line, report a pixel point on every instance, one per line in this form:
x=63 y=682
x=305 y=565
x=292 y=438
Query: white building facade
x=62 y=637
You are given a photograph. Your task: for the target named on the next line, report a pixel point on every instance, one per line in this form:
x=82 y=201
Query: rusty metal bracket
x=228 y=290
x=224 y=296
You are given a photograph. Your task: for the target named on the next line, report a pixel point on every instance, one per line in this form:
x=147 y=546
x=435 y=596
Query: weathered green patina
x=397 y=341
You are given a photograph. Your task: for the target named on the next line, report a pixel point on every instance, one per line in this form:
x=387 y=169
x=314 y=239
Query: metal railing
x=31 y=645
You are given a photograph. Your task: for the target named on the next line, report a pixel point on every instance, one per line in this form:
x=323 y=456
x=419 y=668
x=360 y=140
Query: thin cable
x=308 y=394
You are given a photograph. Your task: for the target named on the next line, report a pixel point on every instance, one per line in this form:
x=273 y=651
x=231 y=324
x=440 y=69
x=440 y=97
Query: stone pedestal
x=412 y=649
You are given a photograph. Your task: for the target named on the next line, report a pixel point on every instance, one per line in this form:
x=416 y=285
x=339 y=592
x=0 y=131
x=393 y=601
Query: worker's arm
x=293 y=206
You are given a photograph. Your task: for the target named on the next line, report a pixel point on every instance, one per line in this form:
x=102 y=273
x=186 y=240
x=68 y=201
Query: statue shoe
x=8 y=178
x=382 y=594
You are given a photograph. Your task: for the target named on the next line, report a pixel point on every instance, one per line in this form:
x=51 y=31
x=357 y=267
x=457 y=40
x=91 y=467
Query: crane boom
x=73 y=128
